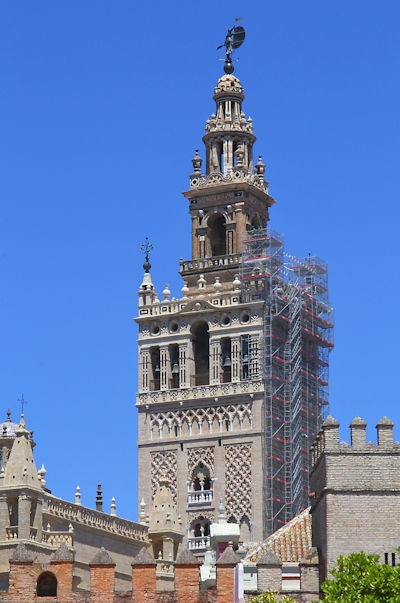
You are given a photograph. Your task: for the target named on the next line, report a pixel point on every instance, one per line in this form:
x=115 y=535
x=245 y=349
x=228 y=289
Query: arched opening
x=174 y=358
x=199 y=533
x=226 y=358
x=201 y=354
x=47 y=585
x=201 y=478
x=217 y=235
x=155 y=368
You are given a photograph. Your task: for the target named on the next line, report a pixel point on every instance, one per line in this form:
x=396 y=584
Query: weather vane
x=234 y=39
x=146 y=248
x=23 y=402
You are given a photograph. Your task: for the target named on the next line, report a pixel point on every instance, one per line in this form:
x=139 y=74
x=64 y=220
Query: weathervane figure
x=23 y=402
x=146 y=248
x=234 y=39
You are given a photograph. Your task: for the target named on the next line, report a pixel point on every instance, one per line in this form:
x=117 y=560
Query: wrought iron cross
x=23 y=402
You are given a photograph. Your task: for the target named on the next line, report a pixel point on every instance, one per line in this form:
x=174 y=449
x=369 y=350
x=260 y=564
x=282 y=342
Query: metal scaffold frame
x=297 y=339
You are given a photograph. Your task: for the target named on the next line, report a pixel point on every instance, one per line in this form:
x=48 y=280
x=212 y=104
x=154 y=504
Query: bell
x=227 y=362
x=245 y=358
x=175 y=369
x=157 y=368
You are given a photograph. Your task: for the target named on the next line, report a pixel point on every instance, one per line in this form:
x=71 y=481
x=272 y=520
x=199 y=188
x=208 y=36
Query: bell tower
x=231 y=197
x=233 y=375
x=200 y=393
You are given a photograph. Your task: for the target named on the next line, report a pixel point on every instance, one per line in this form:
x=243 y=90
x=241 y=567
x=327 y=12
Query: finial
x=142 y=514
x=146 y=248
x=234 y=38
x=99 y=498
x=222 y=515
x=41 y=474
x=166 y=293
x=113 y=508
x=260 y=167
x=9 y=415
x=78 y=496
x=197 y=161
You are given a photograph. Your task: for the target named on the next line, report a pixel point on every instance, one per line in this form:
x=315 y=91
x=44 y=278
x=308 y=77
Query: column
x=144 y=368
x=38 y=520
x=195 y=240
x=164 y=368
x=24 y=517
x=183 y=368
x=230 y=238
x=254 y=357
x=4 y=517
x=215 y=361
x=235 y=358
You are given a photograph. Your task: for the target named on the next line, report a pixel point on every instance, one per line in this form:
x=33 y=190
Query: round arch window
x=47 y=585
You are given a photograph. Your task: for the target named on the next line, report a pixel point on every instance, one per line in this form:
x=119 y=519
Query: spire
x=147 y=295
x=163 y=516
x=21 y=469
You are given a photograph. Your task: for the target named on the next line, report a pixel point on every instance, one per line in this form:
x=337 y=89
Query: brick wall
x=356 y=492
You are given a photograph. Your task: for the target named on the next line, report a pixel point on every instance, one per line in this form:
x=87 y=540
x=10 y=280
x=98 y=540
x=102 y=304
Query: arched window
x=47 y=585
x=201 y=354
x=217 y=235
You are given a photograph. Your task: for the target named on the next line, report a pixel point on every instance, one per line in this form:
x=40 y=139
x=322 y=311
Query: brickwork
x=354 y=487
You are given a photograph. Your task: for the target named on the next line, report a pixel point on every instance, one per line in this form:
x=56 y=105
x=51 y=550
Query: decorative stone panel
x=238 y=481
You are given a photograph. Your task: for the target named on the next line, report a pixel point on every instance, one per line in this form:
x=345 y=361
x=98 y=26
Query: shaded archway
x=201 y=353
x=217 y=235
x=47 y=585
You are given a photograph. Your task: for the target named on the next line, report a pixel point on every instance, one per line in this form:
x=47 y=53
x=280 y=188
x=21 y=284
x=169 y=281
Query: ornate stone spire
x=21 y=469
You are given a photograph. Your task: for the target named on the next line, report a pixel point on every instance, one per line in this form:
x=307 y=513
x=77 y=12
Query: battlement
x=327 y=440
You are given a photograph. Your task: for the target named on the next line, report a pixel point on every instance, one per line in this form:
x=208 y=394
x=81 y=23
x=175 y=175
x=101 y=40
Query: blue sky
x=102 y=105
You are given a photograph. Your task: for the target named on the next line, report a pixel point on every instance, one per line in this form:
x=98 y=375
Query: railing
x=57 y=538
x=110 y=523
x=12 y=533
x=201 y=391
x=199 y=543
x=200 y=496
x=212 y=263
x=165 y=567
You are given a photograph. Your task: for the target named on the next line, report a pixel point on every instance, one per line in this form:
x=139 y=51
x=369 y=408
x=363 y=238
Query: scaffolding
x=297 y=339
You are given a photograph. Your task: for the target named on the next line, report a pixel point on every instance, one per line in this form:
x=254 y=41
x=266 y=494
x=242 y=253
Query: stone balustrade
x=199 y=543
x=82 y=515
x=201 y=391
x=200 y=496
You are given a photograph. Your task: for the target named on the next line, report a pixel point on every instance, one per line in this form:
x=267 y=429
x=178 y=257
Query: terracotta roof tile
x=290 y=543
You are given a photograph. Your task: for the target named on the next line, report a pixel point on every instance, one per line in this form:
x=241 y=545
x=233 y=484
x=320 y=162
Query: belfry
x=233 y=374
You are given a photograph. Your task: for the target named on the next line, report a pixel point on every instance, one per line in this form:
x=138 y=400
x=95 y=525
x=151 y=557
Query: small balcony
x=198 y=544
x=199 y=497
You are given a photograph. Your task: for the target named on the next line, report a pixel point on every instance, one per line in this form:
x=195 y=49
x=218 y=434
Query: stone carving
x=164 y=463
x=205 y=420
x=238 y=481
x=206 y=514
x=200 y=455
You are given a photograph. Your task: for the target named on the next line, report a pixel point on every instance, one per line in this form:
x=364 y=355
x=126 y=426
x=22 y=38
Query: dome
x=7 y=429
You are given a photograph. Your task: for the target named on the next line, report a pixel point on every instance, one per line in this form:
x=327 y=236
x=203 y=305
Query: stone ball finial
x=228 y=66
x=166 y=293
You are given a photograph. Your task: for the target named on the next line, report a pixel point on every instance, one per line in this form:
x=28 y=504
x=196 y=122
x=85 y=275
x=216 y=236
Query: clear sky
x=102 y=104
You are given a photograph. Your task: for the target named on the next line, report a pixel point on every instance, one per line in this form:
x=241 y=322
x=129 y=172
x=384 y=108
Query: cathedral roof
x=289 y=543
x=8 y=428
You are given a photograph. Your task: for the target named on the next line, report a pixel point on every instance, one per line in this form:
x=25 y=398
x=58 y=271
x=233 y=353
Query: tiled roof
x=290 y=543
